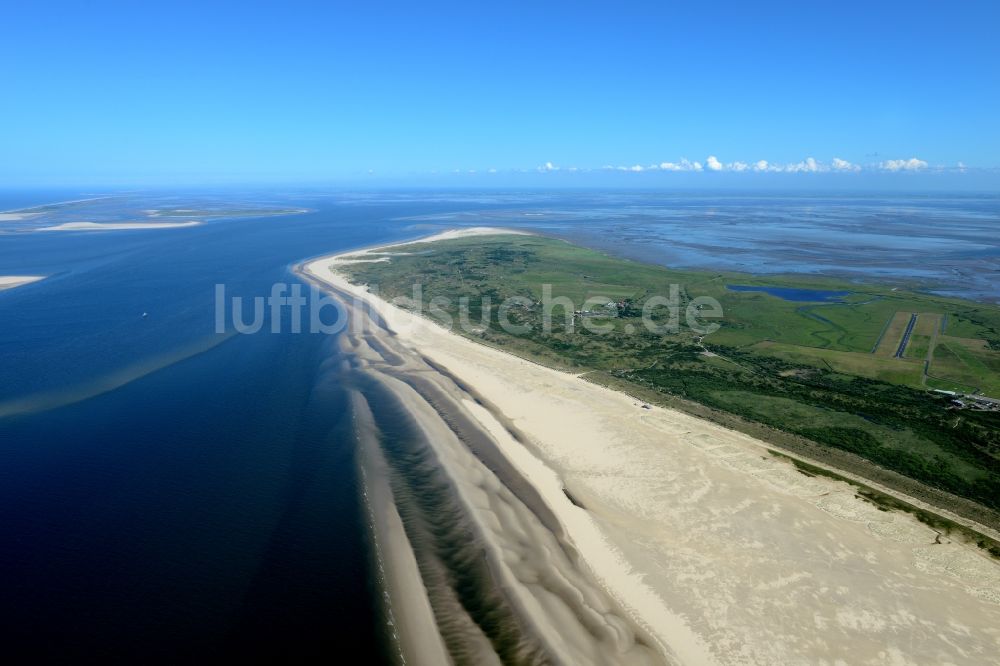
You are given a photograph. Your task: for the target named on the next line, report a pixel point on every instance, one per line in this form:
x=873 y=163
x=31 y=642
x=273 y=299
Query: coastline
x=118 y=226
x=721 y=552
x=12 y=281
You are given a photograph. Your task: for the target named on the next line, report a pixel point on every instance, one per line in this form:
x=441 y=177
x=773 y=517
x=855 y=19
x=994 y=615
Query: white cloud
x=548 y=166
x=844 y=165
x=809 y=165
x=683 y=165
x=912 y=164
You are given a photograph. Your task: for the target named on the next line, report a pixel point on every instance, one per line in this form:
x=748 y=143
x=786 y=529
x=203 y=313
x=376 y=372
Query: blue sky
x=173 y=92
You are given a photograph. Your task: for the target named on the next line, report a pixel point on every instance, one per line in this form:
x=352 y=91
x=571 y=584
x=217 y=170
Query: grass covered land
x=833 y=372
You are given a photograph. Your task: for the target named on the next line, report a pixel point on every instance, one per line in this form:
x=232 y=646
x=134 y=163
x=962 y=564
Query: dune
x=620 y=534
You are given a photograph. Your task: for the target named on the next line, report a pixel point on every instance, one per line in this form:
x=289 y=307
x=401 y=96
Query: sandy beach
x=118 y=226
x=619 y=534
x=11 y=281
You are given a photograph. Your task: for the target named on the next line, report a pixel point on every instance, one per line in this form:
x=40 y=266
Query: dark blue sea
x=169 y=494
x=172 y=494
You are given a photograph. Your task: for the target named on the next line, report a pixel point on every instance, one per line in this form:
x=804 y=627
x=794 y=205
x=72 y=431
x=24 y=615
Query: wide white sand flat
x=721 y=551
x=11 y=281
x=118 y=226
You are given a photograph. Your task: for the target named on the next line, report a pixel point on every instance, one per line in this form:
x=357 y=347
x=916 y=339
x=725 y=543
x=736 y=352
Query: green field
x=860 y=364
x=967 y=362
x=893 y=335
x=806 y=368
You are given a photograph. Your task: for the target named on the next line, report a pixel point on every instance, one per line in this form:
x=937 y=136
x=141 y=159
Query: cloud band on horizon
x=808 y=165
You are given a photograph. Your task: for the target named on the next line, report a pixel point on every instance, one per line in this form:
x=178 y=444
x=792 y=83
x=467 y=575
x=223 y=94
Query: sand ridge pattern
x=497 y=580
x=679 y=539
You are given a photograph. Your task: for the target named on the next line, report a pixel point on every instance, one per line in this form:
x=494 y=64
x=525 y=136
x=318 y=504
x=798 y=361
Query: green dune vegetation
x=834 y=374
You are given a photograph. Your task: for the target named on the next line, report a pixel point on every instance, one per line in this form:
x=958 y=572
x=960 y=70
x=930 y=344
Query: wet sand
x=602 y=532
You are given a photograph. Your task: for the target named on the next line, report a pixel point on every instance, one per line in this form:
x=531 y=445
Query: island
x=783 y=488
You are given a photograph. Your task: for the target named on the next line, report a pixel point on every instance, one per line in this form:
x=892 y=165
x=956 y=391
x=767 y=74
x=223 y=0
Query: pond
x=793 y=294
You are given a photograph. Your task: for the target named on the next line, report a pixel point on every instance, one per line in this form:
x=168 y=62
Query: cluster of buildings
x=610 y=309
x=969 y=401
